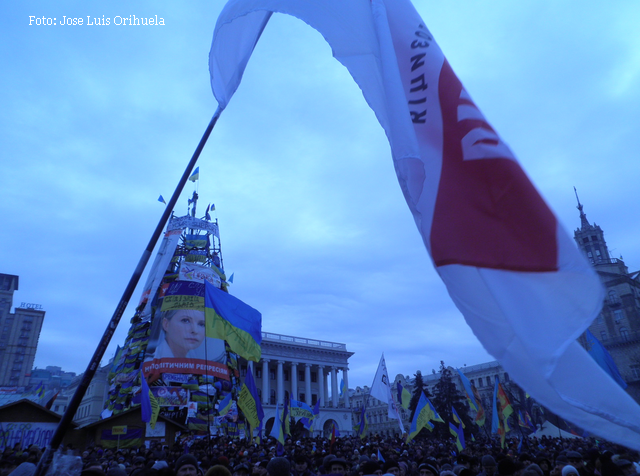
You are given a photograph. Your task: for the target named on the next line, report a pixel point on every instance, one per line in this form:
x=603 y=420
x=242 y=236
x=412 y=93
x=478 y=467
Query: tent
x=550 y=430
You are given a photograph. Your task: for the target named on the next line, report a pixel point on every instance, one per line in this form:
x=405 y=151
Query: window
x=300 y=375
x=314 y=377
x=488 y=381
x=314 y=398
x=243 y=370
x=618 y=315
x=303 y=397
x=272 y=399
x=286 y=375
x=272 y=374
x=258 y=373
x=480 y=383
x=624 y=333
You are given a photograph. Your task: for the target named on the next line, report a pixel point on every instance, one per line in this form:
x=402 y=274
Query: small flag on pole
x=195 y=175
x=161 y=199
x=149 y=405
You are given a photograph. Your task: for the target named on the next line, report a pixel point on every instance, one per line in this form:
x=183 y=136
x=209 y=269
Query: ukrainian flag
x=421 y=417
x=225 y=405
x=230 y=319
x=195 y=175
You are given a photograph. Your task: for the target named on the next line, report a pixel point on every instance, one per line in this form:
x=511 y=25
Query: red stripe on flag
x=487 y=213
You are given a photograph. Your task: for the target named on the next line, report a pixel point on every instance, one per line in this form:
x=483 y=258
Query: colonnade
x=294 y=389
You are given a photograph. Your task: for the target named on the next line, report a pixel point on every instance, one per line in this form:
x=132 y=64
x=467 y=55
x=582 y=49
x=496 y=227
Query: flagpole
x=94 y=363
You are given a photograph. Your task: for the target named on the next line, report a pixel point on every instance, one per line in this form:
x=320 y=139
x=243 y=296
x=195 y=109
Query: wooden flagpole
x=65 y=421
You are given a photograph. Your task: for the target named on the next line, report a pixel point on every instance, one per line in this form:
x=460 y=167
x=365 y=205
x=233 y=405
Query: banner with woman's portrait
x=177 y=340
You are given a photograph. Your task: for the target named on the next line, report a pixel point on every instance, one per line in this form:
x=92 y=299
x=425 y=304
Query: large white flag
x=381 y=389
x=514 y=273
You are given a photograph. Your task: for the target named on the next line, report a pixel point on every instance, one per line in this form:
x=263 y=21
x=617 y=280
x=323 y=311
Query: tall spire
x=584 y=223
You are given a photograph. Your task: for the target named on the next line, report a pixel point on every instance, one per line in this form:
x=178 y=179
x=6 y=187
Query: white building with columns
x=306 y=370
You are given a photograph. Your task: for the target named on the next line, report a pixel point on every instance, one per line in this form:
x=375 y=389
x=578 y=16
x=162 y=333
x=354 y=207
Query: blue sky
x=98 y=121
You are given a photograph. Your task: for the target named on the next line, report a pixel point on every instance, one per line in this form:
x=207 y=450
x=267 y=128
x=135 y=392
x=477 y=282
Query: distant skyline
x=100 y=120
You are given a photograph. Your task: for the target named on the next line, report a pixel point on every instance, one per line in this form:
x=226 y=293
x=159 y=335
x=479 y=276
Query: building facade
x=481 y=375
x=19 y=334
x=307 y=370
x=617 y=326
x=377 y=411
x=92 y=403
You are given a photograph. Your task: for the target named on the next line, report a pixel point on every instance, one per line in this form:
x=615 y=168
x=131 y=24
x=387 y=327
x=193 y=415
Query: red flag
x=49 y=404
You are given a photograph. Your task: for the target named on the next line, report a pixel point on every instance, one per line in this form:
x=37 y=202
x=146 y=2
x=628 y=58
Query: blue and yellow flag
x=456 y=417
x=433 y=414
x=161 y=199
x=603 y=358
x=39 y=391
x=196 y=241
x=468 y=390
x=363 y=424
x=308 y=422
x=404 y=396
x=225 y=405
x=149 y=405
x=229 y=319
x=249 y=402
x=276 y=429
x=421 y=417
x=195 y=175
x=300 y=409
x=459 y=434
x=342 y=388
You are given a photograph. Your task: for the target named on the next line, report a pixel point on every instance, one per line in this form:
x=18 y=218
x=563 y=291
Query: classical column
x=280 y=387
x=345 y=377
x=326 y=389
x=334 y=387
x=321 y=383
x=265 y=381
x=294 y=380
x=307 y=383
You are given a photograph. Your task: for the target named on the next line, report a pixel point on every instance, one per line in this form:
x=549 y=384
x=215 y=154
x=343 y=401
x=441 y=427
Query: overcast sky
x=99 y=120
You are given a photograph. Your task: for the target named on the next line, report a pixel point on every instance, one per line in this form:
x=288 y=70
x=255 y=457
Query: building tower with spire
x=617 y=326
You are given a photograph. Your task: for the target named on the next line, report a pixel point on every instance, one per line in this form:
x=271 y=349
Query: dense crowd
x=349 y=456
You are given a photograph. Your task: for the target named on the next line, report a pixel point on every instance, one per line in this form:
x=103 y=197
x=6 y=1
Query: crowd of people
x=347 y=456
